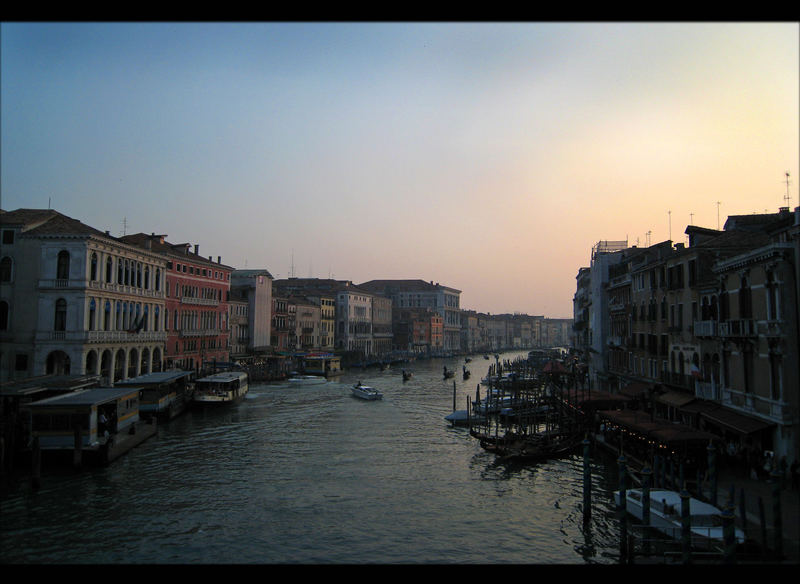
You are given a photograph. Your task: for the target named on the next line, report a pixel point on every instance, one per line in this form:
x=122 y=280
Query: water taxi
x=366 y=392
x=224 y=388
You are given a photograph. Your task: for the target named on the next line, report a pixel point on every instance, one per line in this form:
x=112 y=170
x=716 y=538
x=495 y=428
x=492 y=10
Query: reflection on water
x=313 y=475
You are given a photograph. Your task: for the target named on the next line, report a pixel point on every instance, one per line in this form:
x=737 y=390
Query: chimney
x=219 y=259
x=196 y=249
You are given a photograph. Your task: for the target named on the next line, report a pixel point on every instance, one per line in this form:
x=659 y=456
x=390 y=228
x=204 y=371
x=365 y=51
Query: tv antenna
x=786 y=197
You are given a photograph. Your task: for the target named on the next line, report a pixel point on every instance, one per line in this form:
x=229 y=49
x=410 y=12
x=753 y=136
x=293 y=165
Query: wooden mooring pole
x=36 y=464
x=622 y=512
x=587 y=483
x=77 y=454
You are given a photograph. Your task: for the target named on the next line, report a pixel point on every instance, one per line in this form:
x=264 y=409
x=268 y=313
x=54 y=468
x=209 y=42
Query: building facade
x=197 y=293
x=75 y=300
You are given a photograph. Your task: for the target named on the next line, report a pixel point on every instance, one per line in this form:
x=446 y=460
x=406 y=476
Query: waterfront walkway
x=755 y=489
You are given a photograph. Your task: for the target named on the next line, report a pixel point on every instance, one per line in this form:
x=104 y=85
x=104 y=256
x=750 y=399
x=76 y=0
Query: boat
x=465 y=418
x=224 y=388
x=163 y=394
x=407 y=375
x=366 y=392
x=705 y=520
x=307 y=380
x=541 y=446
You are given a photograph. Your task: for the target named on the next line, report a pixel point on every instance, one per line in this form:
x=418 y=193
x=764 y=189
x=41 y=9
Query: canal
x=312 y=475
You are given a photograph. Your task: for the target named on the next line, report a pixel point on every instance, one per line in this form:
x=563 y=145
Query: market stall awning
x=661 y=431
x=675 y=399
x=634 y=389
x=738 y=422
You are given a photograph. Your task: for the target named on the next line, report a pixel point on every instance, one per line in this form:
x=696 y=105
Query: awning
x=740 y=423
x=676 y=399
x=634 y=389
x=664 y=432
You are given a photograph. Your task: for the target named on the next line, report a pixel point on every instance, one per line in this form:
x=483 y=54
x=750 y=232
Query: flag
x=137 y=325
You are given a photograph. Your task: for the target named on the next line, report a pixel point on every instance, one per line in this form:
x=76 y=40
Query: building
x=76 y=300
x=421 y=294
x=321 y=292
x=707 y=333
x=196 y=312
x=254 y=287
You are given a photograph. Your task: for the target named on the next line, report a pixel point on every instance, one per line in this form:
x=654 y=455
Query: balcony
x=199 y=333
x=199 y=301
x=742 y=328
x=101 y=336
x=705 y=328
x=750 y=403
x=772 y=328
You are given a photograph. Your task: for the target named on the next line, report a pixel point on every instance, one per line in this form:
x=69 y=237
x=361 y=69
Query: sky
x=487 y=157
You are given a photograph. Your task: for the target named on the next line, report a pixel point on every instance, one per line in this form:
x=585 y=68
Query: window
x=3 y=315
x=8 y=237
x=92 y=314
x=21 y=363
x=60 y=322
x=62 y=265
x=93 y=273
x=745 y=300
x=5 y=269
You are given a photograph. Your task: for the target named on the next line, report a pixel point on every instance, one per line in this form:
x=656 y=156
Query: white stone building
x=76 y=300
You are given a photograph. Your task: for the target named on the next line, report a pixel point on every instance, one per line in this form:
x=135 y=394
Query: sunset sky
x=488 y=157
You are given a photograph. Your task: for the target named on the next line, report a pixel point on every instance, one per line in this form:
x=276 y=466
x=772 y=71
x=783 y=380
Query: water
x=312 y=475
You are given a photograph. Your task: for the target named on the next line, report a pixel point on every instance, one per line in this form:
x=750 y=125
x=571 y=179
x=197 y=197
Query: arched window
x=158 y=280
x=745 y=300
x=120 y=271
x=147 y=277
x=93 y=272
x=5 y=269
x=92 y=314
x=107 y=316
x=109 y=270
x=62 y=266
x=60 y=323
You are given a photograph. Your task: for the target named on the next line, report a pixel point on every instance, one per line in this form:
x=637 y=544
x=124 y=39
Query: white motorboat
x=705 y=520
x=228 y=387
x=307 y=380
x=366 y=392
x=463 y=418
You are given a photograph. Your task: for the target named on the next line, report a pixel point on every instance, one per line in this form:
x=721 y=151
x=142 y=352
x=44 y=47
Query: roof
x=47 y=222
x=86 y=397
x=250 y=273
x=388 y=286
x=664 y=432
x=741 y=423
x=158 y=244
x=32 y=385
x=157 y=377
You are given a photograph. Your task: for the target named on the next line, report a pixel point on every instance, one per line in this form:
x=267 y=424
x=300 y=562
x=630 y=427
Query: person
x=103 y=423
x=783 y=466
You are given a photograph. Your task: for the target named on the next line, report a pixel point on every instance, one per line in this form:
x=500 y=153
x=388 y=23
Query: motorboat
x=227 y=387
x=307 y=380
x=464 y=418
x=366 y=392
x=705 y=520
